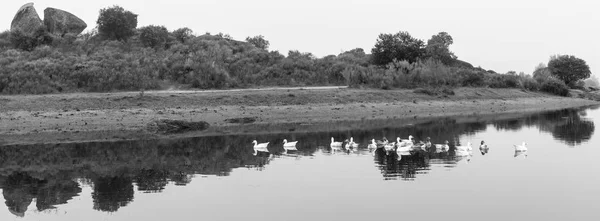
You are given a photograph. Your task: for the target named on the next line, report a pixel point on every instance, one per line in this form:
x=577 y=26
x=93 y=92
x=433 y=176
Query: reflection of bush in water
x=112 y=193
x=574 y=132
x=19 y=190
x=406 y=168
x=151 y=180
x=565 y=125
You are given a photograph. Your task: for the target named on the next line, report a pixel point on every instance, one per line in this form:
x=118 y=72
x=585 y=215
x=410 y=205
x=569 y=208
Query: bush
x=26 y=42
x=183 y=34
x=471 y=78
x=555 y=86
x=154 y=36
x=503 y=81
x=530 y=84
x=116 y=23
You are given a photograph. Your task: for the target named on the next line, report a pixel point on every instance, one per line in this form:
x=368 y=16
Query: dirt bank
x=116 y=116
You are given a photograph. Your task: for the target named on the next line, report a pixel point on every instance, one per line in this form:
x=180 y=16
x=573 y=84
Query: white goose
x=465 y=148
x=353 y=144
x=410 y=139
x=443 y=147
x=403 y=148
x=389 y=147
x=425 y=145
x=262 y=147
x=289 y=145
x=372 y=146
x=335 y=146
x=483 y=148
x=522 y=147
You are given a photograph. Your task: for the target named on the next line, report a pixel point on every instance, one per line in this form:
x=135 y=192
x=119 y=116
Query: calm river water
x=219 y=178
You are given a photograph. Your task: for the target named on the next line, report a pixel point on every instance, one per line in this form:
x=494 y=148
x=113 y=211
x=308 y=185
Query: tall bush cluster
x=118 y=56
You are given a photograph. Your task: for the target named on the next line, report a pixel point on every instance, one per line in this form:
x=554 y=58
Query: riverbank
x=26 y=119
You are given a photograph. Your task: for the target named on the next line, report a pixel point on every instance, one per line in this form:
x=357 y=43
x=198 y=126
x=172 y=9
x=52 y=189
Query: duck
x=289 y=145
x=372 y=146
x=403 y=148
x=410 y=139
x=389 y=147
x=353 y=144
x=335 y=145
x=443 y=147
x=483 y=148
x=400 y=143
x=425 y=145
x=465 y=148
x=522 y=147
x=260 y=147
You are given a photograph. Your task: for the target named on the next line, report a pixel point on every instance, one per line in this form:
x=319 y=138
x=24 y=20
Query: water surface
x=219 y=178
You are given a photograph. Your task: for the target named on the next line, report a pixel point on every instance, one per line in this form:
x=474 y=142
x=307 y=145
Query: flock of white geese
x=400 y=146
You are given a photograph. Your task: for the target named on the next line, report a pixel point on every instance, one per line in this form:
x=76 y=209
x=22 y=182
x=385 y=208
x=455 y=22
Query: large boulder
x=27 y=20
x=59 y=22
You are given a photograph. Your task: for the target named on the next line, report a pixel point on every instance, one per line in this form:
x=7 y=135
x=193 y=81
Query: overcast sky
x=500 y=35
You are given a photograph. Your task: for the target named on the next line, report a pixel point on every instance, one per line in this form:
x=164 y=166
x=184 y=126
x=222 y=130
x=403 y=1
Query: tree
x=568 y=68
x=116 y=23
x=183 y=34
x=259 y=42
x=399 y=46
x=28 y=42
x=154 y=36
x=438 y=47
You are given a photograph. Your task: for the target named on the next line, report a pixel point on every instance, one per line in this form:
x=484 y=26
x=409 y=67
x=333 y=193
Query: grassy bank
x=116 y=116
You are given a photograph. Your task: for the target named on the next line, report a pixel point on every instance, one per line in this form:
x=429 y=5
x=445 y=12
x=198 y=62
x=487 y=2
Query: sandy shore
x=118 y=116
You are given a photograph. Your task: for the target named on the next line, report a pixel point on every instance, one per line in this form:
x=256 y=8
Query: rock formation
x=59 y=22
x=26 y=20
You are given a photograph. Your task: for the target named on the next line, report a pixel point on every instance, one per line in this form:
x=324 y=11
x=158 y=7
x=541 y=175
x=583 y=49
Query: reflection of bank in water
x=569 y=126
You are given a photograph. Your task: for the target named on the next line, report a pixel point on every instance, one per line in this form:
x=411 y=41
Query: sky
x=508 y=35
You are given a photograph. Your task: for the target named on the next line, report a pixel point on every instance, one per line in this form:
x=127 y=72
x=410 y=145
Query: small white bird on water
x=372 y=146
x=353 y=144
x=410 y=139
x=465 y=148
x=335 y=146
x=522 y=147
x=443 y=147
x=289 y=145
x=483 y=148
x=262 y=147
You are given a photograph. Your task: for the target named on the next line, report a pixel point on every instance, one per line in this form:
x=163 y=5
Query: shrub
x=503 y=81
x=5 y=40
x=26 y=42
x=183 y=34
x=471 y=78
x=530 y=84
x=154 y=36
x=555 y=86
x=116 y=23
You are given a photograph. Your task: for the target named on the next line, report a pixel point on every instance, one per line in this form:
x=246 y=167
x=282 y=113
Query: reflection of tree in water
x=112 y=193
x=406 y=167
x=566 y=125
x=574 y=131
x=151 y=180
x=19 y=190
